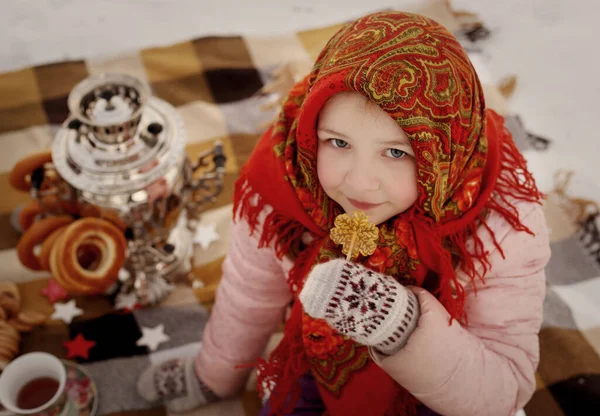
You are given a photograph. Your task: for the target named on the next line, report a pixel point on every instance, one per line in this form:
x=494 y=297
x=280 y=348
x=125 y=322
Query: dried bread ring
x=9 y=342
x=9 y=332
x=8 y=339
x=53 y=265
x=92 y=211
x=10 y=299
x=57 y=272
x=9 y=305
x=49 y=203
x=36 y=234
x=8 y=348
x=33 y=318
x=47 y=245
x=11 y=289
x=70 y=206
x=18 y=177
x=28 y=214
x=20 y=326
x=88 y=255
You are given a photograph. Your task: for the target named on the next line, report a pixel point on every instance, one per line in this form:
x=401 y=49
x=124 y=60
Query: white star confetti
x=152 y=337
x=66 y=311
x=127 y=301
x=206 y=235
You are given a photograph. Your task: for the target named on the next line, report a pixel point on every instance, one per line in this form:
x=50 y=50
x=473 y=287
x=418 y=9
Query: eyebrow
x=334 y=133
x=394 y=142
x=390 y=142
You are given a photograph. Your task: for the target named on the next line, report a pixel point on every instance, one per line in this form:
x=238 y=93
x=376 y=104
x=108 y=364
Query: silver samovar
x=121 y=153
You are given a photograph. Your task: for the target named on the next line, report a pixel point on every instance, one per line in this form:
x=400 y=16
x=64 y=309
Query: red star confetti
x=79 y=347
x=54 y=292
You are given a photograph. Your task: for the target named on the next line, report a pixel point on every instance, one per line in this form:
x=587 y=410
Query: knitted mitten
x=176 y=384
x=371 y=308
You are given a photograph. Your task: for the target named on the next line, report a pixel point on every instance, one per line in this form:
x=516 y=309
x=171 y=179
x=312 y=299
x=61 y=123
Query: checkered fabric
x=215 y=84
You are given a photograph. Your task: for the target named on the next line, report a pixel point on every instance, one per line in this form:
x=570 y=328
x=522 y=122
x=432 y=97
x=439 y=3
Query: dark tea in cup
x=34 y=384
x=37 y=392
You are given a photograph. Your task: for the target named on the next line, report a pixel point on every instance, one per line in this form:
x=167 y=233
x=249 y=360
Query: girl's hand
x=371 y=308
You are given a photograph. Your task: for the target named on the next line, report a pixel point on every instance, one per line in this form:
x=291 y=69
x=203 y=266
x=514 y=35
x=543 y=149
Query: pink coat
x=487 y=368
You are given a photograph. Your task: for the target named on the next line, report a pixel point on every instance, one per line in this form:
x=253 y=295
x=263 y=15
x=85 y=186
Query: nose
x=362 y=178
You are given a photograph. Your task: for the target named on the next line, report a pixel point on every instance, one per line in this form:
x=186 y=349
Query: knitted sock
x=176 y=384
x=371 y=308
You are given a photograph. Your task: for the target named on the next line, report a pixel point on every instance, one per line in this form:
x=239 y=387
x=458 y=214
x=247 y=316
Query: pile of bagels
x=82 y=248
x=13 y=322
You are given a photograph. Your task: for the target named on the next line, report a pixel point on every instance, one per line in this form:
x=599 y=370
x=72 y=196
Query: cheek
x=330 y=174
x=412 y=192
x=325 y=171
x=404 y=190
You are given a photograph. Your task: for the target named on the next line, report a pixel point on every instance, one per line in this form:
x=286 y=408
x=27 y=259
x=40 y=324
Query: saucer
x=81 y=389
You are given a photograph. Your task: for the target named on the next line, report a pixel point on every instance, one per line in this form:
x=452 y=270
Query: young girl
x=444 y=316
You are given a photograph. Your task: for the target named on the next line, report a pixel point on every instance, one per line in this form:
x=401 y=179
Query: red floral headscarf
x=467 y=166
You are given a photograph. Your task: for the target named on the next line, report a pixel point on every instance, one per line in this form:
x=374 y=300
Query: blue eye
x=395 y=153
x=339 y=143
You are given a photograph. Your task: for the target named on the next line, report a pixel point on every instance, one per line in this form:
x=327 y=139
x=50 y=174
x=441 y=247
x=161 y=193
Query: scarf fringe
x=277 y=229
x=516 y=183
x=288 y=362
x=246 y=203
x=286 y=365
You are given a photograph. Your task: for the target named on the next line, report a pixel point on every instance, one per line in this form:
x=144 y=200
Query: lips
x=364 y=206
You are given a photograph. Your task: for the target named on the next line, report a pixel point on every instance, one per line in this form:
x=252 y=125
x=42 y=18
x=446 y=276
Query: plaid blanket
x=217 y=85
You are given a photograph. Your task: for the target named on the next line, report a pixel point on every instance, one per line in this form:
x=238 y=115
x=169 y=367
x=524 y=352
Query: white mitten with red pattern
x=369 y=307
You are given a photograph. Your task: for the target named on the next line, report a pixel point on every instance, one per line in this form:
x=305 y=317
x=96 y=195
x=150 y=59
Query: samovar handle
x=210 y=184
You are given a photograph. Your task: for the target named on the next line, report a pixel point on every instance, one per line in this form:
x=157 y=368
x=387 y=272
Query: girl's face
x=365 y=161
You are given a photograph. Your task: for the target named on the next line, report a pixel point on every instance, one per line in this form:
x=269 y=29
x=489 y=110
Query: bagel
x=47 y=245
x=19 y=177
x=28 y=214
x=87 y=256
x=92 y=211
x=53 y=265
x=35 y=235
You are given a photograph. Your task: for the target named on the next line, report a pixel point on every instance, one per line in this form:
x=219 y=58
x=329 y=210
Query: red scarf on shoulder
x=467 y=166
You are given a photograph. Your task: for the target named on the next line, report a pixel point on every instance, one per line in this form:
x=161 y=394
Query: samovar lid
x=118 y=138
